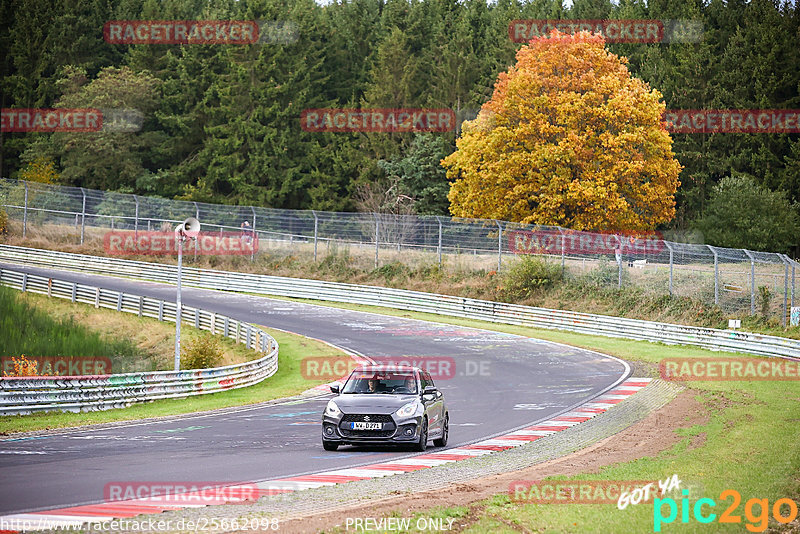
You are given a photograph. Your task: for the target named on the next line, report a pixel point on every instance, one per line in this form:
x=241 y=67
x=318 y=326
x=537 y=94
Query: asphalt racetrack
x=500 y=382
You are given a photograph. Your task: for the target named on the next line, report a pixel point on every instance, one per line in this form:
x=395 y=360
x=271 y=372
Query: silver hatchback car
x=381 y=404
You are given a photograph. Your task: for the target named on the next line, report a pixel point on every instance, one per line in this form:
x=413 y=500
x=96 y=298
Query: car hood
x=372 y=402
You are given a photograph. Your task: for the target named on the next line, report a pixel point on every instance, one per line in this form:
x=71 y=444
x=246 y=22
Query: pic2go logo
x=757 y=521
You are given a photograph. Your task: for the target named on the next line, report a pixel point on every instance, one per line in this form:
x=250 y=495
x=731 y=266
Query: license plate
x=361 y=425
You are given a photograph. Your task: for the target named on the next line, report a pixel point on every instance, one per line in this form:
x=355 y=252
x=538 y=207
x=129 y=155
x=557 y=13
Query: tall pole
x=316 y=225
x=671 y=254
x=499 y=245
x=83 y=214
x=716 y=274
x=178 y=305
x=439 y=245
x=25 y=213
x=752 y=282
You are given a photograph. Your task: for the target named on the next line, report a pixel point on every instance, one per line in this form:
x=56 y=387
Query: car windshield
x=397 y=383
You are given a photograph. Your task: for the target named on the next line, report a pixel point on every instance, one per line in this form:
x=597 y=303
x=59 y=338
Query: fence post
x=752 y=282
x=619 y=261
x=25 y=213
x=794 y=264
x=666 y=243
x=785 y=287
x=196 y=241
x=136 y=219
x=563 y=250
x=83 y=214
x=439 y=245
x=253 y=236
x=499 y=244
x=316 y=225
x=377 y=227
x=716 y=274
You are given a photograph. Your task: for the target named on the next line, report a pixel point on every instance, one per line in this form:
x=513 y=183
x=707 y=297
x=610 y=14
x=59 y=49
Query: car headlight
x=407 y=410
x=332 y=410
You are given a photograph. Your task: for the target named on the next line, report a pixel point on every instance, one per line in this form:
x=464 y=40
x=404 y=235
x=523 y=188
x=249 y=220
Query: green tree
x=743 y=214
x=421 y=175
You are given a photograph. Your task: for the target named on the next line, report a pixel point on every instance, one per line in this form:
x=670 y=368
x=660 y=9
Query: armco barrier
x=709 y=338
x=26 y=395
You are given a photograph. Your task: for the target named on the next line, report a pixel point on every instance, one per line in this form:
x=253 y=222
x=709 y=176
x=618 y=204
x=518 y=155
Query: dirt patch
x=646 y=438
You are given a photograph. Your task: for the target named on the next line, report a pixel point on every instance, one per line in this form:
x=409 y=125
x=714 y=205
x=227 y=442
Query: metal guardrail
x=24 y=395
x=709 y=338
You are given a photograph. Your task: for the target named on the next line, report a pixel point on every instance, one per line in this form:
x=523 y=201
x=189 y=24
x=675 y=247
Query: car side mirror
x=429 y=391
x=335 y=388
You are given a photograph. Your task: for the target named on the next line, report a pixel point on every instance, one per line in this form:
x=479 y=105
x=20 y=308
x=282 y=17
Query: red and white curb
x=77 y=515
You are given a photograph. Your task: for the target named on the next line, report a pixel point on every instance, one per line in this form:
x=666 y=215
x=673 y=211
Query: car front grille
x=374 y=418
x=387 y=430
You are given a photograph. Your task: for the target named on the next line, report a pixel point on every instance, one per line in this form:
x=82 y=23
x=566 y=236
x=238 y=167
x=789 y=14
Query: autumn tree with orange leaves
x=568 y=138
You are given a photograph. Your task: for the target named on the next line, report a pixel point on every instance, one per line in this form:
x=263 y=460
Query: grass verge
x=148 y=339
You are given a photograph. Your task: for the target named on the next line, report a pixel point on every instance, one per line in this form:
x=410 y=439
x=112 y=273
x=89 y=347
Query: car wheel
x=441 y=442
x=329 y=445
x=423 y=437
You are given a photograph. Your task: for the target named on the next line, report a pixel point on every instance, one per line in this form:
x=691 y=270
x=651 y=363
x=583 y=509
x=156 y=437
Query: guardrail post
x=97 y=297
x=24 y=282
x=197 y=318
x=752 y=282
x=499 y=244
x=136 y=219
x=247 y=332
x=83 y=214
x=618 y=254
x=563 y=250
x=49 y=287
x=161 y=313
x=439 y=245
x=316 y=224
x=716 y=274
x=377 y=227
x=74 y=291
x=141 y=306
x=225 y=327
x=25 y=213
x=119 y=303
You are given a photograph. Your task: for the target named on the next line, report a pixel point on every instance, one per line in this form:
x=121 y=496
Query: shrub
x=24 y=367
x=203 y=352
x=765 y=297
x=528 y=275
x=3 y=222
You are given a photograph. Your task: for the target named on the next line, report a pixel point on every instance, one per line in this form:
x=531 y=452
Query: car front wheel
x=441 y=442
x=423 y=437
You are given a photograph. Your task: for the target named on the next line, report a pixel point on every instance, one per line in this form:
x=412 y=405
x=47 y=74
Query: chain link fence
x=739 y=281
